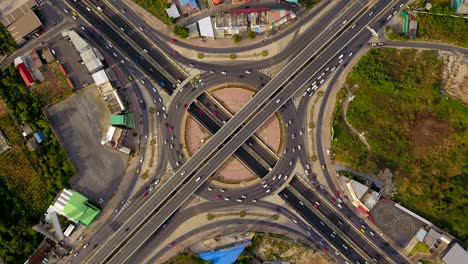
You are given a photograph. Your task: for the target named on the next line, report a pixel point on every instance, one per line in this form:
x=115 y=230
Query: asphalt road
x=131 y=52
x=185 y=95
x=211 y=146
x=183 y=241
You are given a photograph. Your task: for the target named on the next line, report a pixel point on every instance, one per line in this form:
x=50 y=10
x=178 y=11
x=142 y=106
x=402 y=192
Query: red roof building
x=25 y=74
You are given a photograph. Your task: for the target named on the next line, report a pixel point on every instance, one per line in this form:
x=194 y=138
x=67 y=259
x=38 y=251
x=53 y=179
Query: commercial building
x=455 y=255
x=75 y=207
x=19 y=18
x=124 y=120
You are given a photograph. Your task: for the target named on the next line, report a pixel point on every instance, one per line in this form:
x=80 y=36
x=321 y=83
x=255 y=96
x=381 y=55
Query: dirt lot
x=55 y=86
x=80 y=122
x=429 y=130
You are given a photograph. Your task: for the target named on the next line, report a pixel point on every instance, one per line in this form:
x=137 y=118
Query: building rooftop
x=456 y=255
x=100 y=77
x=24 y=26
x=206 y=27
x=80 y=210
x=25 y=74
x=173 y=11
x=359 y=189
x=11 y=10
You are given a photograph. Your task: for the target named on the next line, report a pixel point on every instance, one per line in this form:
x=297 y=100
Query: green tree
x=252 y=34
x=182 y=32
x=236 y=38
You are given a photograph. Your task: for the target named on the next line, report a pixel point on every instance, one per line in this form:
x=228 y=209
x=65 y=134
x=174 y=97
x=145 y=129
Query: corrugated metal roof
x=25 y=74
x=206 y=27
x=100 y=77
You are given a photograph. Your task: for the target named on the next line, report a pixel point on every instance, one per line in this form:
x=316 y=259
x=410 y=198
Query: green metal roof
x=405 y=24
x=117 y=120
x=122 y=120
x=78 y=210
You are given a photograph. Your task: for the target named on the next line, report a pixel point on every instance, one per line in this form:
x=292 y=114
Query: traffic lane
x=143 y=43
x=212 y=143
x=301 y=45
x=117 y=39
x=232 y=226
x=160 y=37
x=287 y=93
x=242 y=154
x=321 y=24
x=323 y=228
x=336 y=220
x=224 y=116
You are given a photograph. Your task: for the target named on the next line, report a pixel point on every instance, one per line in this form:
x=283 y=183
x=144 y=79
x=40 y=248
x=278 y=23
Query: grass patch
x=413 y=129
x=443 y=29
x=157 y=8
x=420 y=247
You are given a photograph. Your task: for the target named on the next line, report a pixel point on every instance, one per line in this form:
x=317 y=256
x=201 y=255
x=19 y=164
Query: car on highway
x=239 y=200
x=150 y=188
x=227 y=198
x=316 y=205
x=76 y=254
x=291 y=162
x=140 y=28
x=294 y=220
x=123 y=10
x=171 y=128
x=268 y=190
x=333 y=200
x=244 y=196
x=173 y=40
x=371 y=13
x=145 y=51
x=223 y=72
x=181 y=156
x=174 y=53
x=141 y=159
x=197 y=179
x=138 y=170
x=254 y=200
x=218 y=197
x=142 y=81
x=222 y=190
x=86 y=245
x=122 y=29
x=170 y=245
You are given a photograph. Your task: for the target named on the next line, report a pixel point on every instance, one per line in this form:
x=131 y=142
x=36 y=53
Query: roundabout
x=206 y=103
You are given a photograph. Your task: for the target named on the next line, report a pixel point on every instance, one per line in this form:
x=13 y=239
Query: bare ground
x=290 y=251
x=54 y=87
x=429 y=131
x=456 y=75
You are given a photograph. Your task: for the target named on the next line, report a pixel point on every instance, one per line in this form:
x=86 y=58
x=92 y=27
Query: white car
x=142 y=81
x=140 y=28
x=198 y=179
x=223 y=72
x=268 y=190
x=141 y=159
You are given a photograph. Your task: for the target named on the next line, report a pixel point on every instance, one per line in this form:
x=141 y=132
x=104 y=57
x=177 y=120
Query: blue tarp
x=39 y=137
x=222 y=256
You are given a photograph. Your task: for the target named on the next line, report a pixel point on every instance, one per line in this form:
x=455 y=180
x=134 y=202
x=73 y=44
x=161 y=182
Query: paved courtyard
x=80 y=123
x=394 y=222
